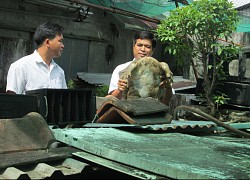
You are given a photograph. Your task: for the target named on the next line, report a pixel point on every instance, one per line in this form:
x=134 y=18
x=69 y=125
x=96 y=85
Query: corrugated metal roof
x=174 y=126
x=80 y=165
x=40 y=164
x=95 y=78
x=55 y=169
x=177 y=126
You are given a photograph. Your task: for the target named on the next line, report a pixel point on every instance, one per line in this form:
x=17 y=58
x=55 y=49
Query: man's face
x=56 y=46
x=142 y=48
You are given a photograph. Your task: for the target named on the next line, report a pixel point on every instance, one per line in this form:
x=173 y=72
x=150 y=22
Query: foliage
x=194 y=30
x=102 y=91
x=220 y=99
x=71 y=84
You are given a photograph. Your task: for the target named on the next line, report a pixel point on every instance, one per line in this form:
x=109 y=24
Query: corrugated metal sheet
x=55 y=169
x=179 y=126
x=77 y=165
x=174 y=126
x=95 y=78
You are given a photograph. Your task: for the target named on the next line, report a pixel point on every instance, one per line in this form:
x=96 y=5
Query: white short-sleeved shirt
x=115 y=76
x=31 y=72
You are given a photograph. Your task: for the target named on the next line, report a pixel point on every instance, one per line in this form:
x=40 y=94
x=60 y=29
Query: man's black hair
x=145 y=35
x=47 y=30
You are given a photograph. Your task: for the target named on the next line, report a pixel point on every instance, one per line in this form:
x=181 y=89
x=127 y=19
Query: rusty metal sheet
x=173 y=155
x=115 y=115
x=134 y=107
x=134 y=111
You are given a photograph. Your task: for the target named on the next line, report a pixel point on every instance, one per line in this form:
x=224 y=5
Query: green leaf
x=195 y=31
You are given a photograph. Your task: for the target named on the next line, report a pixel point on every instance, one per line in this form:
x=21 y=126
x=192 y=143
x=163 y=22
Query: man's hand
x=122 y=85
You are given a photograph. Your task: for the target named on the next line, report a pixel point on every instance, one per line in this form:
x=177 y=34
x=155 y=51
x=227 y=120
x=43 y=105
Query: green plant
x=194 y=31
x=71 y=84
x=220 y=99
x=102 y=91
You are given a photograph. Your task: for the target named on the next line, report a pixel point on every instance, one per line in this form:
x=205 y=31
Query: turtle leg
x=168 y=79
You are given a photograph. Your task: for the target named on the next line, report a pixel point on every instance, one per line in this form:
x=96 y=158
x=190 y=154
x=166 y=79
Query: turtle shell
x=143 y=78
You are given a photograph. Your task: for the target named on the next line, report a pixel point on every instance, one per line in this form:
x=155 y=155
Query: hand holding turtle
x=122 y=85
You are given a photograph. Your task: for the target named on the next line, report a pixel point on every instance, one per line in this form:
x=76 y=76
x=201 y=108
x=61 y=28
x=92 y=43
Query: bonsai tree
x=194 y=31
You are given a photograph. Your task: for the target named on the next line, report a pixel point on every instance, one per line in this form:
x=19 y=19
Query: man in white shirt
x=143 y=45
x=39 y=70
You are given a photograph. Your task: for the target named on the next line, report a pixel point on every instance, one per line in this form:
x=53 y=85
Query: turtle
x=144 y=78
